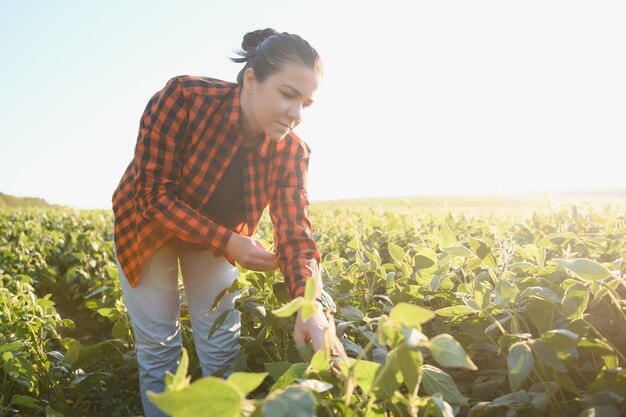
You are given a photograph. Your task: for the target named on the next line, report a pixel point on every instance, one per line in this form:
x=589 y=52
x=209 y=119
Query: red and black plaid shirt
x=188 y=134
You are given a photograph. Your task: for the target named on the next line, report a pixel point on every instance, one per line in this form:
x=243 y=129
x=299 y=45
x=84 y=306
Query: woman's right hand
x=250 y=253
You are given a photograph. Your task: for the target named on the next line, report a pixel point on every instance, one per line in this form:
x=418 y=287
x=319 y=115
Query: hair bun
x=252 y=39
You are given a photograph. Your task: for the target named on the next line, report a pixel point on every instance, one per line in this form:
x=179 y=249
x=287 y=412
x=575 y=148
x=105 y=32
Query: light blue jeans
x=154 y=309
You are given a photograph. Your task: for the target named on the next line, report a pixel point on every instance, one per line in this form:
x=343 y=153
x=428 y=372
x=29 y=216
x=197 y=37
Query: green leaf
x=377 y=411
x=295 y=371
x=374 y=258
x=602 y=349
x=560 y=339
x=396 y=252
x=180 y=380
x=542 y=312
x=112 y=272
x=543 y=293
x=596 y=346
x=364 y=372
x=459 y=251
x=351 y=313
x=481 y=250
x=205 y=397
x=308 y=309
x=310 y=289
x=435 y=380
x=218 y=322
x=575 y=301
x=414 y=338
x=514 y=399
x=425 y=262
x=319 y=361
x=410 y=315
x=105 y=312
x=25 y=401
x=120 y=331
x=456 y=311
x=240 y=364
x=385 y=381
x=380 y=354
x=426 y=259
x=306 y=352
x=356 y=242
x=518 y=267
x=506 y=292
x=231 y=289
x=100 y=289
x=611 y=380
x=448 y=352
x=295 y=401
x=247 y=381
x=410 y=362
x=289 y=308
x=256 y=309
x=315 y=385
x=539 y=400
x=51 y=412
x=351 y=348
x=12 y=346
x=547 y=355
x=482 y=295
x=600 y=410
x=72 y=353
x=532 y=253
x=520 y=363
x=586 y=269
x=446 y=236
x=45 y=303
x=442 y=408
x=276 y=369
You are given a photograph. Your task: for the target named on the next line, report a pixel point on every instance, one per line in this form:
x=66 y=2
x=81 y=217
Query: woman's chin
x=277 y=137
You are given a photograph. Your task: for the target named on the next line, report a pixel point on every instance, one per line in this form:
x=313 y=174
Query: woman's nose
x=295 y=113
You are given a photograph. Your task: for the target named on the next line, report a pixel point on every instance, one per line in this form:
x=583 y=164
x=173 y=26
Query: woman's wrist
x=230 y=245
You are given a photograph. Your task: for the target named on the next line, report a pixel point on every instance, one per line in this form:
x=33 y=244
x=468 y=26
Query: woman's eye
x=286 y=94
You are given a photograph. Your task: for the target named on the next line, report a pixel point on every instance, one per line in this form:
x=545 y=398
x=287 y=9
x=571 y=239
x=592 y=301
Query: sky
x=418 y=97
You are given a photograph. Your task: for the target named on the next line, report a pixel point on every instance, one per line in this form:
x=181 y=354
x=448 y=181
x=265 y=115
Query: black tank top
x=226 y=205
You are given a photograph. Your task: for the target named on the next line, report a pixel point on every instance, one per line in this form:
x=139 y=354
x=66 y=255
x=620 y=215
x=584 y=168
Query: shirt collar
x=265 y=146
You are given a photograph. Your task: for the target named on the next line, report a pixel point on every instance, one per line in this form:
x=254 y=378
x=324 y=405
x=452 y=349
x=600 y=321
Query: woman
x=210 y=156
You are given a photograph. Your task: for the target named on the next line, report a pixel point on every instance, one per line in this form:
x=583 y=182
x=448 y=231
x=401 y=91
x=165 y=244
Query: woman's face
x=275 y=105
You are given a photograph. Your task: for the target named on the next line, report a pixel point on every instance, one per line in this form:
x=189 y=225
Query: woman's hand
x=250 y=253
x=315 y=329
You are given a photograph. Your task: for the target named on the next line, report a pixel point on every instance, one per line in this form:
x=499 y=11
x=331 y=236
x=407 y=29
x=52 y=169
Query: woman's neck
x=251 y=137
x=252 y=141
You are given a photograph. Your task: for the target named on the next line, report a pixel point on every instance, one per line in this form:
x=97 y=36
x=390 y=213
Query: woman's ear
x=249 y=80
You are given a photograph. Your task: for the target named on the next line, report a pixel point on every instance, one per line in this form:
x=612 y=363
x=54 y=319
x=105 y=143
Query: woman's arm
x=299 y=257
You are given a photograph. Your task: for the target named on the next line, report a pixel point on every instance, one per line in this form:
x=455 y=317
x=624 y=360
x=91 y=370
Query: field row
x=440 y=314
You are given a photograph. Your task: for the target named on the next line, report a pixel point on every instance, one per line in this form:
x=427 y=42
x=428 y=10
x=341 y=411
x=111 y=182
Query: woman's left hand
x=315 y=329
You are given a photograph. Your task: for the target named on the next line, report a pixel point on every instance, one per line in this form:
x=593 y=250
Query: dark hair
x=266 y=50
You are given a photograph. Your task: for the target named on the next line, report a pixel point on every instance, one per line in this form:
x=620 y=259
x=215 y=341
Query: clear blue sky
x=450 y=97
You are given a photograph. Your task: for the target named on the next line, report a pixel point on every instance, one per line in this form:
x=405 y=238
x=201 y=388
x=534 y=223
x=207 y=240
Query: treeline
x=20 y=202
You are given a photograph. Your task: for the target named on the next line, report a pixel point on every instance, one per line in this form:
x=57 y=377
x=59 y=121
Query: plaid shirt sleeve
x=298 y=255
x=158 y=159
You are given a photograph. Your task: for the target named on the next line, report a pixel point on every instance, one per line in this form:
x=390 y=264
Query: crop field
x=442 y=312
